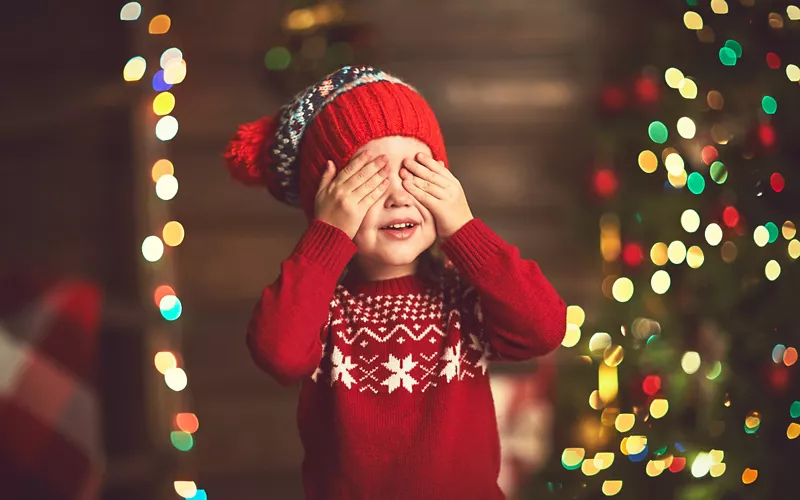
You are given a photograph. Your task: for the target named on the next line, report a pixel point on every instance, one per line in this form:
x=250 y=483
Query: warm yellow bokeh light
x=164 y=103
x=659 y=408
x=635 y=445
x=719 y=6
x=165 y=361
x=772 y=270
x=576 y=315
x=654 y=467
x=134 y=69
x=793 y=12
x=571 y=457
x=170 y=55
x=690 y=221
x=152 y=248
x=793 y=431
x=162 y=167
x=761 y=236
x=713 y=234
x=673 y=77
x=793 y=72
x=695 y=257
x=674 y=164
x=676 y=252
x=176 y=379
x=658 y=254
x=572 y=336
x=717 y=470
x=167 y=187
x=588 y=468
x=160 y=24
x=173 y=233
x=175 y=71
x=599 y=342
x=678 y=181
x=686 y=128
x=603 y=460
x=794 y=249
x=611 y=487
x=690 y=362
x=687 y=88
x=701 y=465
x=648 y=161
x=624 y=422
x=693 y=21
x=622 y=289
x=186 y=489
x=660 y=282
x=788 y=230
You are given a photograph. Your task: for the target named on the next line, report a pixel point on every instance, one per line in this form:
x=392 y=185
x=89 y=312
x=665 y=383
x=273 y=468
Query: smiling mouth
x=399 y=227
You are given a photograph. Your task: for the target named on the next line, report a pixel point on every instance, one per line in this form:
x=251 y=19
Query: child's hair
x=330 y=120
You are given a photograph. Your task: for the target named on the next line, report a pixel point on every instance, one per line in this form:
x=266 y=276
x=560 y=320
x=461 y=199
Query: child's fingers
x=370 y=184
x=429 y=187
x=364 y=172
x=375 y=195
x=423 y=172
x=327 y=175
x=423 y=197
x=356 y=163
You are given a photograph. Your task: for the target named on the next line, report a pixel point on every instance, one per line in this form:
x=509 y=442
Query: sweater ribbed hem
x=472 y=246
x=326 y=245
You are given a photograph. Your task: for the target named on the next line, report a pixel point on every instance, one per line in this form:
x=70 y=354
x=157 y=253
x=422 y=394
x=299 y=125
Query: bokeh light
x=167 y=187
x=130 y=11
x=134 y=69
x=170 y=307
x=167 y=128
x=686 y=127
x=162 y=167
x=175 y=379
x=772 y=270
x=676 y=252
x=162 y=291
x=169 y=55
x=690 y=362
x=660 y=282
x=648 y=161
x=793 y=72
x=152 y=248
x=182 y=441
x=278 y=58
x=659 y=254
x=694 y=257
x=690 y=221
x=163 y=104
x=173 y=233
x=794 y=249
x=761 y=236
x=187 y=422
x=160 y=24
x=572 y=336
x=788 y=230
x=657 y=132
x=622 y=289
x=687 y=88
x=718 y=172
x=175 y=71
x=749 y=476
x=165 y=361
x=713 y=234
x=715 y=100
x=186 y=489
x=769 y=105
x=696 y=183
x=659 y=408
x=692 y=20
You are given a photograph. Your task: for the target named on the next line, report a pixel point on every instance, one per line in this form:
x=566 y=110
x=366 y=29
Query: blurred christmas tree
x=688 y=358
x=316 y=38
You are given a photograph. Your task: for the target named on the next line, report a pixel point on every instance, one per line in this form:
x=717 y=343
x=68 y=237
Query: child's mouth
x=400 y=231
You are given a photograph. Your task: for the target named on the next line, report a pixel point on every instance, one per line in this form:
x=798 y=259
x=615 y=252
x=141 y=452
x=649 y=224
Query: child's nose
x=397 y=196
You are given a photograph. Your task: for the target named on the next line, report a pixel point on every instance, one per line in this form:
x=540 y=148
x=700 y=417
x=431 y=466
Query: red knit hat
x=328 y=121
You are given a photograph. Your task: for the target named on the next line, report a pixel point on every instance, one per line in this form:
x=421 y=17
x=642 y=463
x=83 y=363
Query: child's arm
x=523 y=315
x=284 y=333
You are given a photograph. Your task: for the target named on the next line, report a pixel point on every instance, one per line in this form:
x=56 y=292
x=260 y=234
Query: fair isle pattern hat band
x=295 y=117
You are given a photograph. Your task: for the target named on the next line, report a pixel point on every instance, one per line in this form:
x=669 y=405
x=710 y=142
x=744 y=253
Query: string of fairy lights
x=156 y=248
x=621 y=289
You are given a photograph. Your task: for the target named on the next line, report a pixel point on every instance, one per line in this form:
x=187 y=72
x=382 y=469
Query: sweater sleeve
x=523 y=315
x=284 y=332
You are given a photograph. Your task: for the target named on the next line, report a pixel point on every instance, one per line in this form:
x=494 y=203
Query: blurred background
x=645 y=154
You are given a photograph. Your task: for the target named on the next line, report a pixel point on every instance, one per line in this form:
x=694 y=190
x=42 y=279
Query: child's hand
x=438 y=190
x=343 y=199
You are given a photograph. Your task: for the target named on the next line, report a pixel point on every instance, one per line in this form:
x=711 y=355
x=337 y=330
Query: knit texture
x=395 y=399
x=330 y=120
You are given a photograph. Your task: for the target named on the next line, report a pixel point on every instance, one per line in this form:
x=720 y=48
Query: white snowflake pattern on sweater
x=411 y=342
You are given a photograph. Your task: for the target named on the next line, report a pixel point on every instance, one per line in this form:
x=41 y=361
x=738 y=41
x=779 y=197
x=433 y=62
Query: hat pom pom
x=245 y=156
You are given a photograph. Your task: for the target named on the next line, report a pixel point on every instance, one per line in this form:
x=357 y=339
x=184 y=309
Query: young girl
x=395 y=399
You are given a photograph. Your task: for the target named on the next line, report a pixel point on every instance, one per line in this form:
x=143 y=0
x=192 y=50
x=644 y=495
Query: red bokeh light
x=777 y=182
x=605 y=182
x=632 y=254
x=651 y=385
x=709 y=154
x=646 y=89
x=613 y=98
x=730 y=216
x=773 y=60
x=766 y=134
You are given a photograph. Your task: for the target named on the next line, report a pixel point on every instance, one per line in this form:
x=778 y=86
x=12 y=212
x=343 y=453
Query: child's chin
x=400 y=257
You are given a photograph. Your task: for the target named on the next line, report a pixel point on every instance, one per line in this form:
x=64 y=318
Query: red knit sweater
x=395 y=399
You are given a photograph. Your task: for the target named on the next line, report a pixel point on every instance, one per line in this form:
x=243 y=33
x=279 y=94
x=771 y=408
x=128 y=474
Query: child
x=395 y=399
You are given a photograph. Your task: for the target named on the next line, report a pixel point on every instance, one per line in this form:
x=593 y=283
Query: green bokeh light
x=719 y=173
x=769 y=105
x=278 y=58
x=696 y=183
x=772 y=229
x=735 y=47
x=658 y=132
x=727 y=56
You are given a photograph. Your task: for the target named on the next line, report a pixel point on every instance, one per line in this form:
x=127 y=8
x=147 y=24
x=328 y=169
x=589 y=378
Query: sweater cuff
x=472 y=246
x=326 y=245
